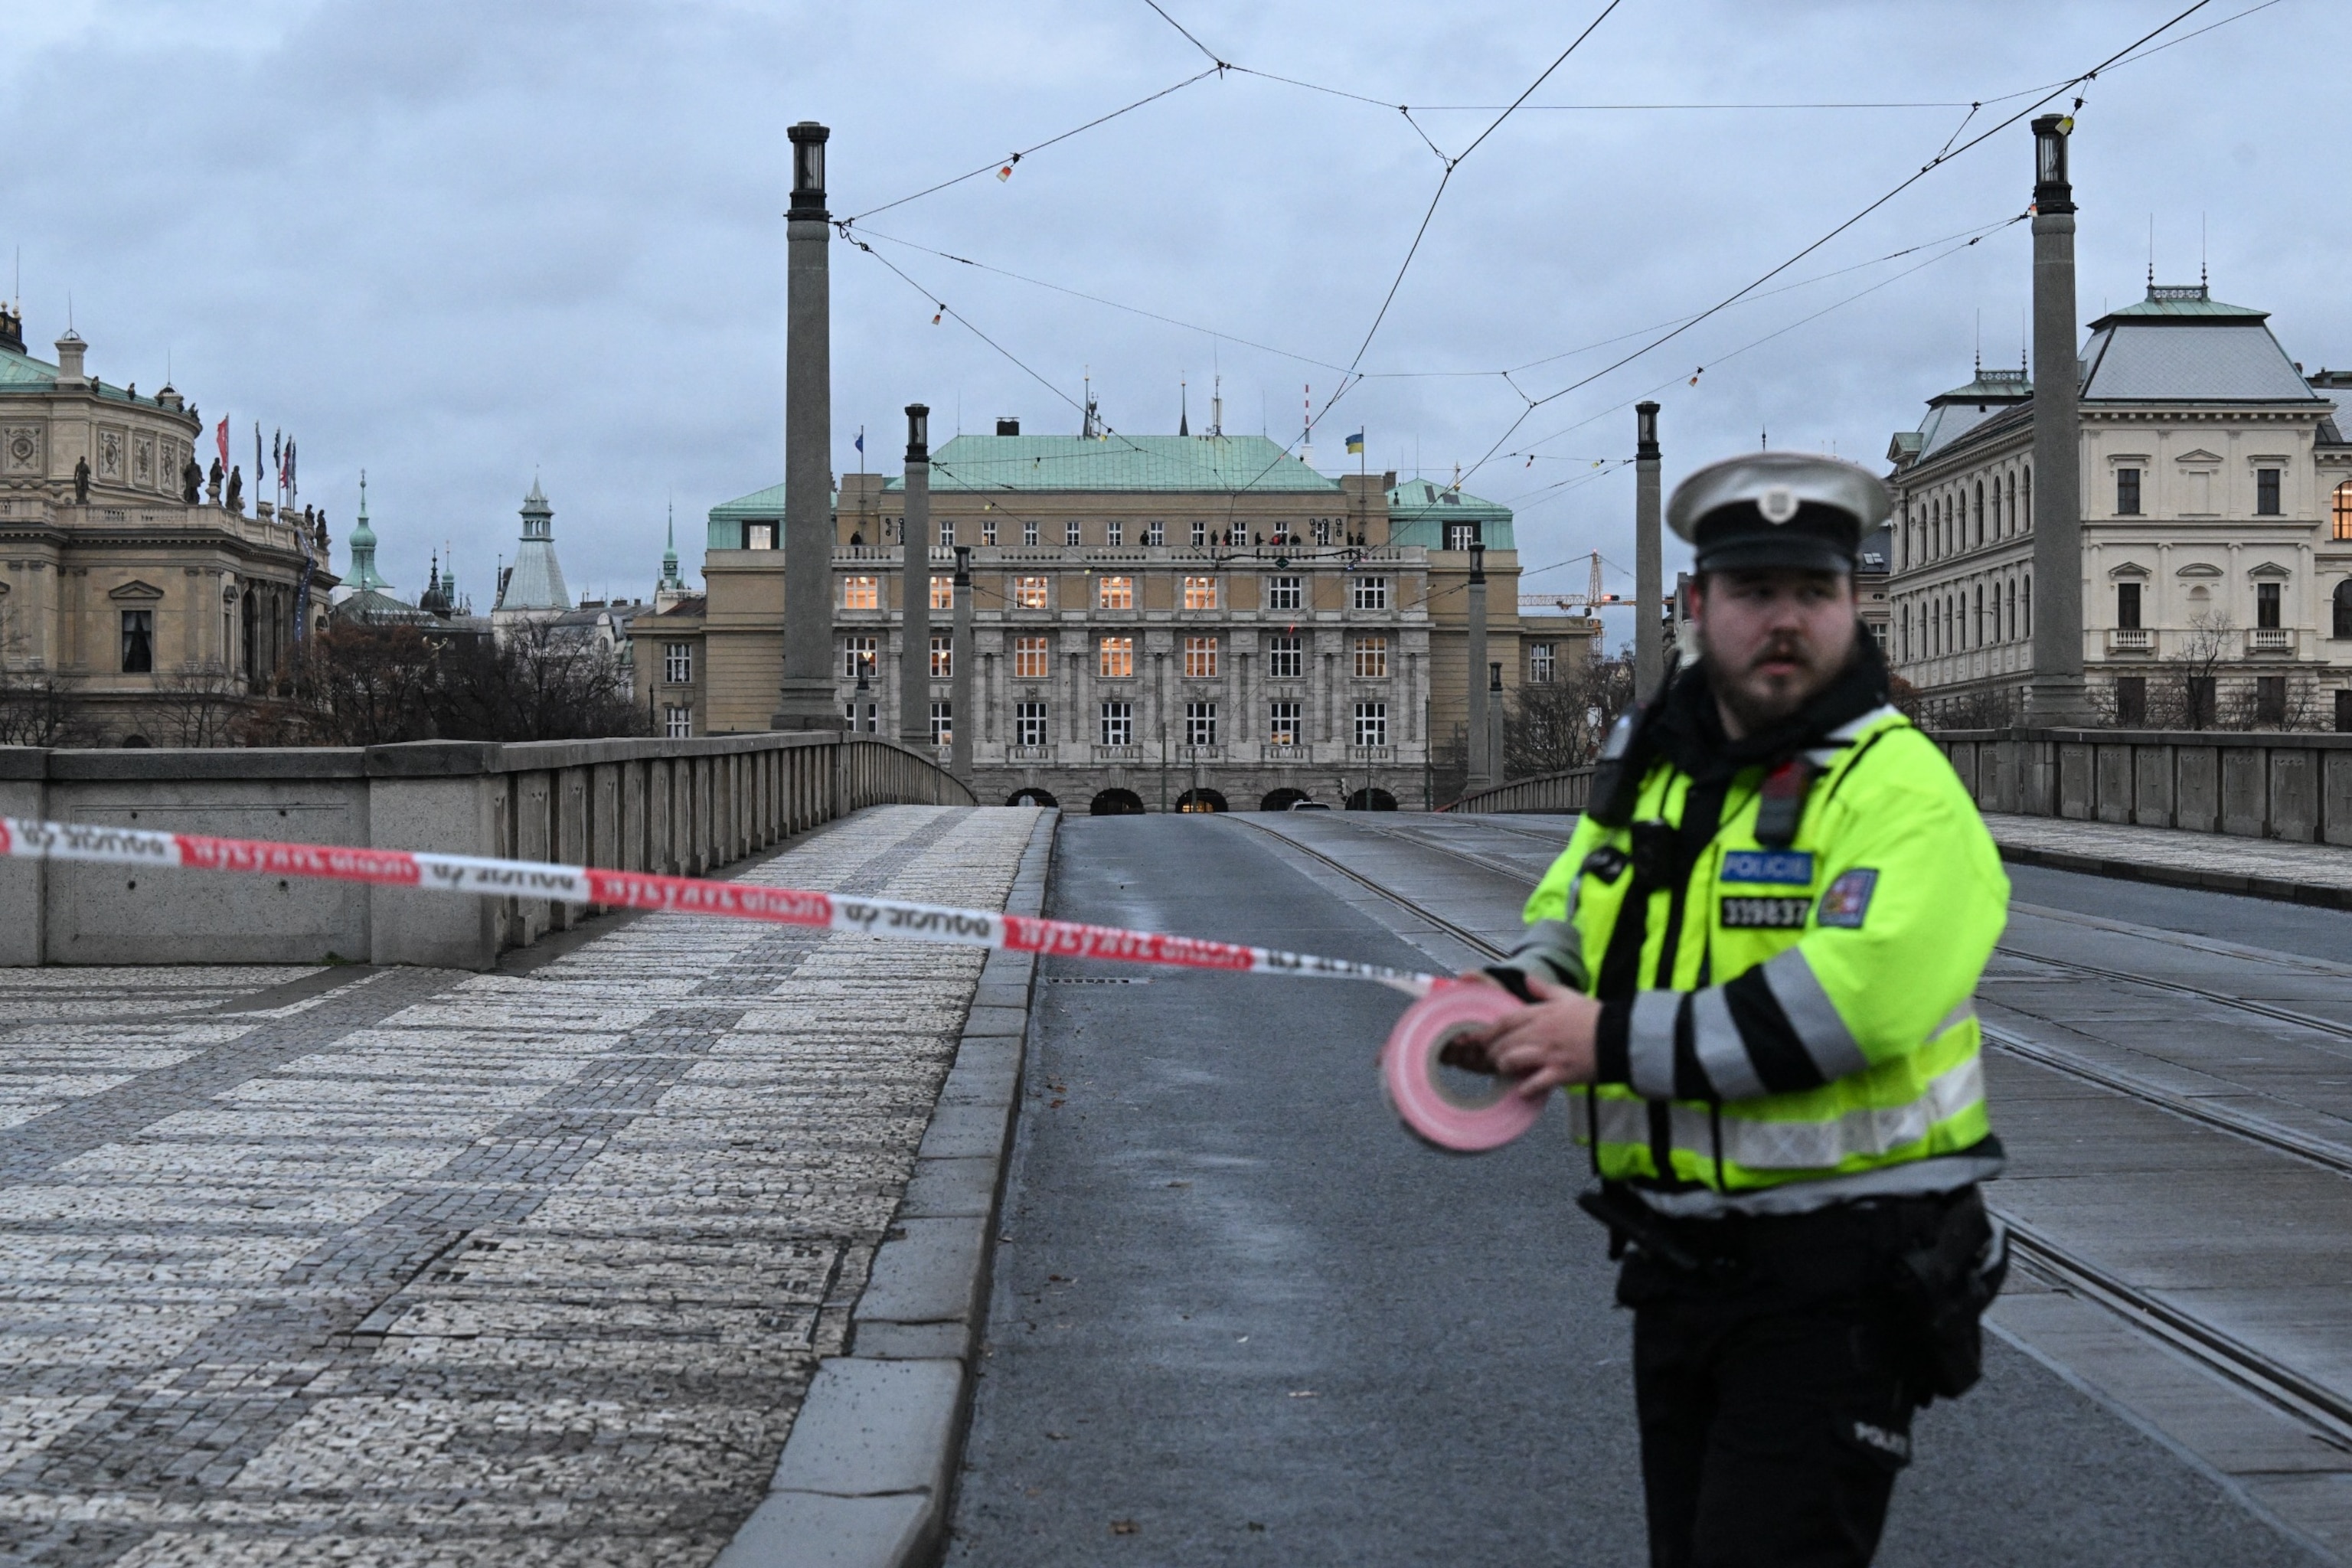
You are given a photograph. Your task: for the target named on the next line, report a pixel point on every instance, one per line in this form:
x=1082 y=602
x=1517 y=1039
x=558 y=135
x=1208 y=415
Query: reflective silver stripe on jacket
x=1723 y=1055
x=1846 y=734
x=1556 y=945
x=1650 y=1043
x=1790 y=1145
x=1820 y=1027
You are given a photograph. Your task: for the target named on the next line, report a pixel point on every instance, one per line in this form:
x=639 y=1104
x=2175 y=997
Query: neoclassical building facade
x=2216 y=531
x=127 y=581
x=1160 y=621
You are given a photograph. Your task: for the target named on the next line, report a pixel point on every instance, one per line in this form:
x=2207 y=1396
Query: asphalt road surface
x=1240 y=1317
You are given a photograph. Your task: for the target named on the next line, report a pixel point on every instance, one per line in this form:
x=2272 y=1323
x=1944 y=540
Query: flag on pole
x=220 y=435
x=861 y=438
x=1355 y=445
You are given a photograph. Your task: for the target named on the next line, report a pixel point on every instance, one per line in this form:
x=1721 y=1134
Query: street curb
x=869 y=1470
x=2311 y=895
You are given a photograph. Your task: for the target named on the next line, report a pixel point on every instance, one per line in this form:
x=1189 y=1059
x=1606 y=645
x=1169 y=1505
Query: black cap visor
x=1739 y=539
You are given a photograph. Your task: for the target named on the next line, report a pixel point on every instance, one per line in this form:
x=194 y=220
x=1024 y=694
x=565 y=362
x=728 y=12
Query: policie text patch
x=1848 y=898
x=1780 y=868
x=1765 y=914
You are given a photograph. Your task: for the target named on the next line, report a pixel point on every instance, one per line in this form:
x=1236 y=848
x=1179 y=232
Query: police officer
x=1754 y=967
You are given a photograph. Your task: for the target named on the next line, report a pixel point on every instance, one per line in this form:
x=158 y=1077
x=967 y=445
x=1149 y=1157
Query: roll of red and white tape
x=1411 y=1071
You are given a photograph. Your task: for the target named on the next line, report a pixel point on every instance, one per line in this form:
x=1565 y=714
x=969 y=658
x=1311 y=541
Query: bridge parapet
x=1560 y=792
x=684 y=807
x=2250 y=784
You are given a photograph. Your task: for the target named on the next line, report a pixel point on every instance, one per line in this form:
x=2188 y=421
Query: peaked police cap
x=1778 y=508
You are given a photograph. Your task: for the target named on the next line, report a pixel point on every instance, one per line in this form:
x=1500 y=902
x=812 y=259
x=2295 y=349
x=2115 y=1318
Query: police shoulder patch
x=1847 y=899
x=1765 y=914
x=1777 y=868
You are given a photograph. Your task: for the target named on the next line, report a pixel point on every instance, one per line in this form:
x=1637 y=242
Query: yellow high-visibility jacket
x=1783 y=1027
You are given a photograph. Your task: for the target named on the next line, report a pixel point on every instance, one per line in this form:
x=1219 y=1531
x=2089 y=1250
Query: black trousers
x=1772 y=1390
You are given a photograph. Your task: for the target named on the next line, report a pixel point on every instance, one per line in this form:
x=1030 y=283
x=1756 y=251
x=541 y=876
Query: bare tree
x=36 y=710
x=370 y=685
x=200 y=707
x=1562 y=724
x=544 y=683
x=2189 y=697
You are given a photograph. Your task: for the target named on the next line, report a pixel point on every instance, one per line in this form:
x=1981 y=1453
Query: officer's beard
x=1751 y=703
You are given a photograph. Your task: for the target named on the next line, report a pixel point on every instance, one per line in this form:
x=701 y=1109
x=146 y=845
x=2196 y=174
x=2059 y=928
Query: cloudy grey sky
x=457 y=244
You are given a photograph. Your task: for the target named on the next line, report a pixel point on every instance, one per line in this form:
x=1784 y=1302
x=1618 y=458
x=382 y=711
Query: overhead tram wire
x=1906 y=183
x=1351 y=378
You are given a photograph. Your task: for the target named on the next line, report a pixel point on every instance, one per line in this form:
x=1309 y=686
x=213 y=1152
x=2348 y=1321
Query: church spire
x=670 y=580
x=363 y=575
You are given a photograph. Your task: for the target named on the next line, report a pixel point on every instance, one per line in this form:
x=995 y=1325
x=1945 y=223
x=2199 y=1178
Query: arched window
x=2343 y=509
x=1980 y=529
x=2025 y=521
x=2029 y=576
x=2343 y=592
x=1979 y=627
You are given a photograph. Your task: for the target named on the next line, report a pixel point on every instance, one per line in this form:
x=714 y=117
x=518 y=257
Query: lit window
x=677 y=722
x=1282 y=724
x=1372 y=658
x=988 y=532
x=1282 y=593
x=759 y=536
x=942 y=724
x=1118 y=658
x=2266 y=493
x=1114 y=534
x=1029 y=592
x=2343 y=507
x=1200 y=534
x=1029 y=723
x=1322 y=530
x=856 y=654
x=942 y=658
x=1028 y=533
x=943 y=593
x=1541 y=663
x=1119 y=723
x=1286 y=659
x=1115 y=594
x=1371 y=593
x=1200 y=657
x=1200 y=592
x=1029 y=659
x=1371 y=723
x=861 y=593
x=1156 y=534
x=678 y=662
x=1070 y=534
x=1199 y=723
x=1461 y=535
x=947 y=531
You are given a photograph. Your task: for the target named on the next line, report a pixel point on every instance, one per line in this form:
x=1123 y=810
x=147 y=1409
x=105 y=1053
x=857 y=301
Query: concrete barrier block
x=2335 y=796
x=2152 y=785
x=2294 y=794
x=2112 y=782
x=22 y=883
x=453 y=816
x=2074 y=784
x=2246 y=791
x=2198 y=795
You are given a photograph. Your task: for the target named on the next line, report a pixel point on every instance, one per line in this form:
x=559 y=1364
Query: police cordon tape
x=1408 y=1061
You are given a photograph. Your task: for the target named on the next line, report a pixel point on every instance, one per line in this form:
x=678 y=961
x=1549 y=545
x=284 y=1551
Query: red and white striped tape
x=891 y=918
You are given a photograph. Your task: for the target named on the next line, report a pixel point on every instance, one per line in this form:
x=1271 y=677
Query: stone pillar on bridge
x=1481 y=759
x=1649 y=558
x=963 y=714
x=2055 y=697
x=1495 y=722
x=807 y=702
x=915 y=590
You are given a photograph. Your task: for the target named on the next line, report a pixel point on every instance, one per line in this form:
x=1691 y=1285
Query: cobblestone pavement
x=2220 y=854
x=522 y=1268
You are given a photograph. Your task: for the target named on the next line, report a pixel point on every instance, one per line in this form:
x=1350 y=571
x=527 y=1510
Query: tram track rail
x=2324 y=1411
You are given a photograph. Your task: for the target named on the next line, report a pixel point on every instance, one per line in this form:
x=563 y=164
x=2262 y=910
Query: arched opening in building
x=1030 y=795
x=2343 y=609
x=1281 y=799
x=1202 y=800
x=136 y=742
x=1371 y=800
x=1117 y=802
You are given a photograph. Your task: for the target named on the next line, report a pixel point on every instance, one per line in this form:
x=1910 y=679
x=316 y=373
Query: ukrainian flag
x=1355 y=445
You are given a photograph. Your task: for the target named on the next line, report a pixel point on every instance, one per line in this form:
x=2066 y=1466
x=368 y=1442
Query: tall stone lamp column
x=1480 y=762
x=2055 y=696
x=915 y=588
x=1649 y=558
x=807 y=693
x=962 y=717
x=1495 y=722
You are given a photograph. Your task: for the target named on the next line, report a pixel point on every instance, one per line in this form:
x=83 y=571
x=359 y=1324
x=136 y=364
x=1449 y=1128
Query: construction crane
x=1590 y=599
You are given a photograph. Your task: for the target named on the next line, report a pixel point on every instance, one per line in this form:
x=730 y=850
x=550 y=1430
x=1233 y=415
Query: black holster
x=1944 y=1278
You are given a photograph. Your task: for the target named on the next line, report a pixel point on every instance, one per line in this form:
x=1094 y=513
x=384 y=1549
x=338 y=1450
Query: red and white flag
x=223 y=435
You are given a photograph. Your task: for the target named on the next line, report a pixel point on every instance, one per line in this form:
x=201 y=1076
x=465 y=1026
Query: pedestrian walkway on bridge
x=415 y=1266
